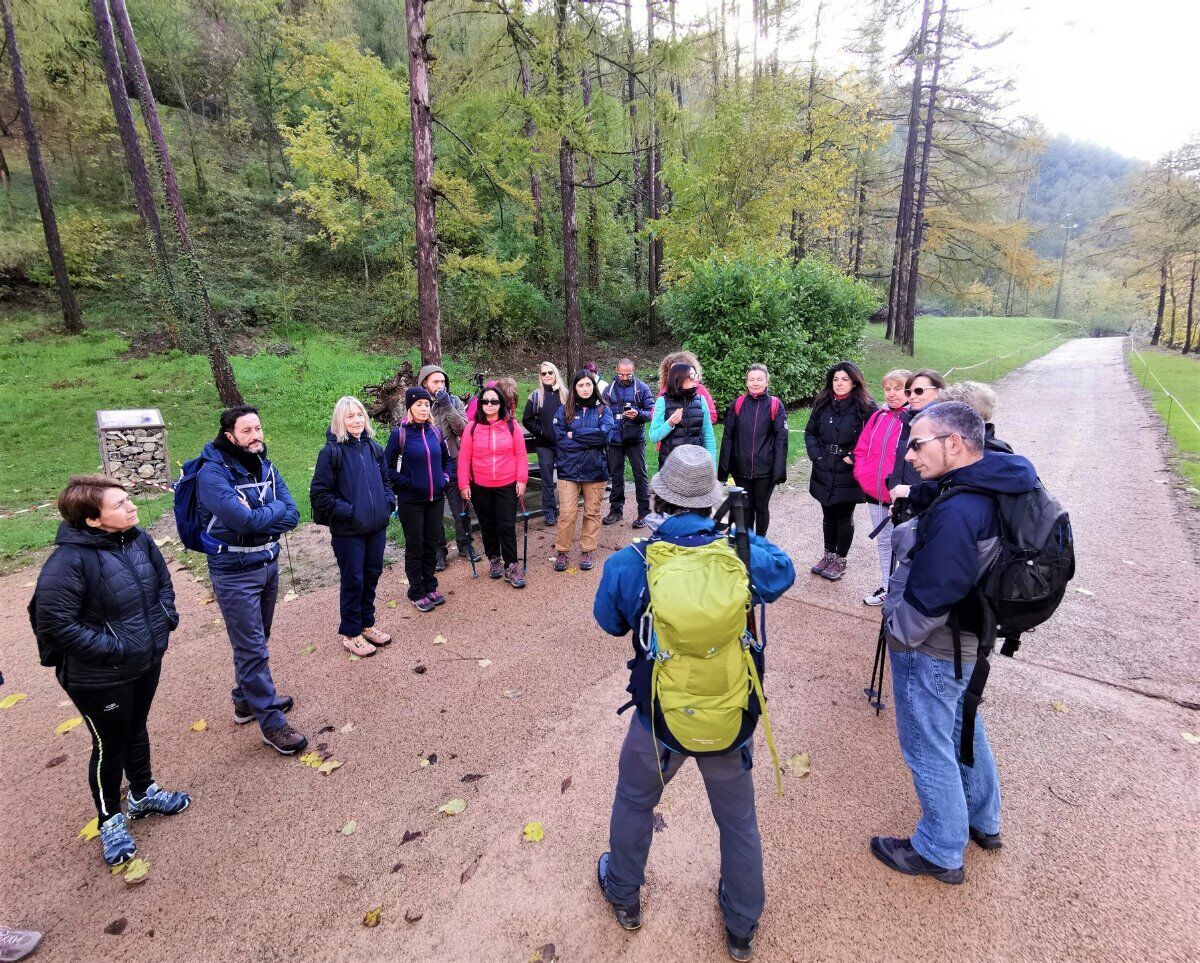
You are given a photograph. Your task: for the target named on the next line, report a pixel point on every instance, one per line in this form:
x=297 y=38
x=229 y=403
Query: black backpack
x=1020 y=590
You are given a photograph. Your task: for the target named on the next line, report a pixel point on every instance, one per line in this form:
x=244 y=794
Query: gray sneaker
x=285 y=740
x=835 y=569
x=160 y=801
x=822 y=564
x=513 y=576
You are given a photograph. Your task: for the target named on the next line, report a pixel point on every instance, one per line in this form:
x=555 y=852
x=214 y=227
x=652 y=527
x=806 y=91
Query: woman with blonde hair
x=538 y=419
x=350 y=493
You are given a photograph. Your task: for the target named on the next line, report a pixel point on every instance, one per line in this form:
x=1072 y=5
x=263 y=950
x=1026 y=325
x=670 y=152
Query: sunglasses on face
x=916 y=444
x=490 y=402
x=918 y=391
x=545 y=373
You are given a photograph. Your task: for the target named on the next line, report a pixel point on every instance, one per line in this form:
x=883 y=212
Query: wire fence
x=1172 y=401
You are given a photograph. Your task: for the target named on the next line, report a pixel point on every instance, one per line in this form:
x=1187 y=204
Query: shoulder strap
x=776 y=404
x=737 y=405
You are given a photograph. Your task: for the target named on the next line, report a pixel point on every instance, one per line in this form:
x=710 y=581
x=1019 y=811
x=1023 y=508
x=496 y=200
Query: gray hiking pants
x=730 y=787
x=247 y=601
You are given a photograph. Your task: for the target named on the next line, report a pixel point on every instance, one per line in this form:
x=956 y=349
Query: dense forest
x=483 y=174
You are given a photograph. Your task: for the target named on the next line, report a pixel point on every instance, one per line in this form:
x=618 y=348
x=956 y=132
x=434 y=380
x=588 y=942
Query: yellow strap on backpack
x=766 y=720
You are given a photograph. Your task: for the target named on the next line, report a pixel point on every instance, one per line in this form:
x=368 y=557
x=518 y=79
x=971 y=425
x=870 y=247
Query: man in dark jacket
x=245 y=507
x=632 y=406
x=932 y=610
x=450 y=415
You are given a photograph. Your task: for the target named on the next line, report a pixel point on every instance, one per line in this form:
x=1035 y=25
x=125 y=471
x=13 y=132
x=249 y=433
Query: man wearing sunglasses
x=932 y=619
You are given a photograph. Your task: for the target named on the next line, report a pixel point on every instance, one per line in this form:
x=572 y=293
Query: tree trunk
x=593 y=227
x=914 y=277
x=529 y=132
x=653 y=268
x=1191 y=307
x=41 y=182
x=570 y=233
x=429 y=309
x=636 y=181
x=861 y=224
x=227 y=389
x=1162 y=302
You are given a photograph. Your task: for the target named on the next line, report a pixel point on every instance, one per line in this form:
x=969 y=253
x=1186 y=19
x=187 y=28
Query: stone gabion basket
x=133 y=446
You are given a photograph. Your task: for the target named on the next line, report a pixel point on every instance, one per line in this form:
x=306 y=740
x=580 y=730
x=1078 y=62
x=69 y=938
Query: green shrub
x=796 y=319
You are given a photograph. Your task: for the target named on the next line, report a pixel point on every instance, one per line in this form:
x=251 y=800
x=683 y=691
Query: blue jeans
x=247 y=601
x=928 y=701
x=360 y=562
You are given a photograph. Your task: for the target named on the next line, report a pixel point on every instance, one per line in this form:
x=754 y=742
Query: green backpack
x=696 y=624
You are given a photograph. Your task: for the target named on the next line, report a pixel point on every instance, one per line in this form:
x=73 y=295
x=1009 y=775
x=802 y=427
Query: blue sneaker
x=115 y=839
x=158 y=801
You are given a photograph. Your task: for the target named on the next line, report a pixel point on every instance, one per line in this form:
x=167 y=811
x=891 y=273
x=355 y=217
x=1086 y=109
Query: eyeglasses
x=545 y=373
x=916 y=444
x=490 y=402
x=918 y=391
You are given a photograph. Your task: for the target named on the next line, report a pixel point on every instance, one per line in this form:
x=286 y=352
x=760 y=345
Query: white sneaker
x=875 y=598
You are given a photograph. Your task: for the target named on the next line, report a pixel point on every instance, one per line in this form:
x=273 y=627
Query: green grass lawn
x=1179 y=375
x=51 y=386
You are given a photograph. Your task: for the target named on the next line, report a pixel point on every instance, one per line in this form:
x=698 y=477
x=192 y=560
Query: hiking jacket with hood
x=943 y=553
x=829 y=437
x=270 y=511
x=754 y=445
x=638 y=394
x=449 y=412
x=538 y=417
x=104 y=606
x=624 y=594
x=350 y=486
x=584 y=456
x=423 y=471
x=493 y=454
x=875 y=453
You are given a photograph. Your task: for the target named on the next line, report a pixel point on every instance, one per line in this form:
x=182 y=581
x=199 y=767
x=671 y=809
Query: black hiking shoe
x=242 y=713
x=738 y=947
x=898 y=854
x=468 y=552
x=611 y=518
x=986 y=840
x=639 y=522
x=630 y=917
x=285 y=740
x=440 y=564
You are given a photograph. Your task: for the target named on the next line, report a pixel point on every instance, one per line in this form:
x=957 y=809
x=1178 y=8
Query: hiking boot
x=738 y=947
x=878 y=597
x=513 y=576
x=424 y=604
x=611 y=518
x=819 y=568
x=639 y=522
x=468 y=552
x=437 y=598
x=242 y=713
x=495 y=568
x=376 y=637
x=440 y=564
x=629 y=916
x=158 y=801
x=551 y=519
x=898 y=854
x=560 y=563
x=585 y=562
x=285 y=740
x=115 y=840
x=835 y=569
x=358 y=646
x=987 y=841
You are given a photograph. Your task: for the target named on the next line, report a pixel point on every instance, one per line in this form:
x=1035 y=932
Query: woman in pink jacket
x=493 y=469
x=874 y=458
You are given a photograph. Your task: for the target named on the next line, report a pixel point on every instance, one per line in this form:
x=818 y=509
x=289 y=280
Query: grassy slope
x=50 y=387
x=1180 y=376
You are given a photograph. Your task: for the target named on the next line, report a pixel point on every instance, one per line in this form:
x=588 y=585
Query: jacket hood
x=213 y=452
x=429 y=369
x=90 y=537
x=685 y=524
x=996 y=472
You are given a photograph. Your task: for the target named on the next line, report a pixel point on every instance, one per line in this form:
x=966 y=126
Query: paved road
x=1101 y=809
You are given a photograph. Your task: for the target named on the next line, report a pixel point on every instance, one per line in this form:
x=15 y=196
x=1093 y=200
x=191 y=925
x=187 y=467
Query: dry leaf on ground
x=798 y=765
x=56 y=761
x=373 y=917
x=484 y=663
x=410 y=835
x=136 y=870
x=391 y=604
x=453 y=807
x=566 y=784
x=1190 y=738
x=116 y=927
x=207 y=601
x=308 y=650
x=11 y=700
x=658 y=823
x=198 y=726
x=470 y=870
x=1059 y=706
x=349 y=828
x=91 y=830
x=328 y=766
x=291 y=596
x=513 y=693
x=544 y=954
x=355 y=658
x=472 y=777
x=439 y=640
x=411 y=917
x=533 y=833
x=64 y=727
x=311 y=759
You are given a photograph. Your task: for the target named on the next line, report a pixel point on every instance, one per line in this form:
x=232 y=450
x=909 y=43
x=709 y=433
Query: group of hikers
x=104 y=607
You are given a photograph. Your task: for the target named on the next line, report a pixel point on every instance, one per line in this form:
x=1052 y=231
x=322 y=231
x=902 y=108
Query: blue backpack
x=192 y=532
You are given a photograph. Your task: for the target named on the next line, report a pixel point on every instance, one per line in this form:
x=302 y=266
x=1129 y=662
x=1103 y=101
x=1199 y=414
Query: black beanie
x=413 y=395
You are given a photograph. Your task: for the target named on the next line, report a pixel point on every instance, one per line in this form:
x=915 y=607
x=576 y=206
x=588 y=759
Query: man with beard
x=245 y=507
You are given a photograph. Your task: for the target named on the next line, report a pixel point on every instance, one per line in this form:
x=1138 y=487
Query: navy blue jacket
x=584 y=456
x=942 y=553
x=103 y=607
x=421 y=476
x=272 y=510
x=350 y=486
x=636 y=393
x=754 y=445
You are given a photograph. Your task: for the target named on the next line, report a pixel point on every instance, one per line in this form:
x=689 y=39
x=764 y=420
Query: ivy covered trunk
x=428 y=308
x=570 y=231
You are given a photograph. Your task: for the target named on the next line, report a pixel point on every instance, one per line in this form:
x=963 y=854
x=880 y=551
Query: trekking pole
x=291 y=572
x=525 y=544
x=466 y=520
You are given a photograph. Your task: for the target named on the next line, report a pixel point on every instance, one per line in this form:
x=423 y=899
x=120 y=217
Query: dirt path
x=1101 y=810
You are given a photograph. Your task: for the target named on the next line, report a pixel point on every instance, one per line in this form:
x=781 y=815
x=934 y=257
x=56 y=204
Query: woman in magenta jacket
x=493 y=469
x=874 y=459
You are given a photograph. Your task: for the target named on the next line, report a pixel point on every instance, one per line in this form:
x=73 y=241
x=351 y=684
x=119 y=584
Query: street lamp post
x=1068 y=226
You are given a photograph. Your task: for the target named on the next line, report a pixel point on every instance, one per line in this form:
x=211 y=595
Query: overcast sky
x=1120 y=73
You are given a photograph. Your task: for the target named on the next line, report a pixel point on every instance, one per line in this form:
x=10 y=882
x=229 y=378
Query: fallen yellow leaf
x=453 y=807
x=198 y=726
x=391 y=604
x=798 y=765
x=312 y=759
x=572 y=571
x=439 y=640
x=355 y=658
x=328 y=766
x=349 y=828
x=1059 y=706
x=11 y=700
x=65 y=727
x=308 y=650
x=533 y=832
x=373 y=916
x=136 y=870
x=91 y=830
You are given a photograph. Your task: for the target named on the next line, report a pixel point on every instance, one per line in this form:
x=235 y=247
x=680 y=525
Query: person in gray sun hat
x=687 y=546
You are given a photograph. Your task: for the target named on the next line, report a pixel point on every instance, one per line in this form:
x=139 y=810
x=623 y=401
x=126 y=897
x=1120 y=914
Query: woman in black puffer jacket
x=102 y=612
x=839 y=412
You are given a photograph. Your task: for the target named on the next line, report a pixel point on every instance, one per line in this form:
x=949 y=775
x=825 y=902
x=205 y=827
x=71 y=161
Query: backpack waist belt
x=249 y=549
